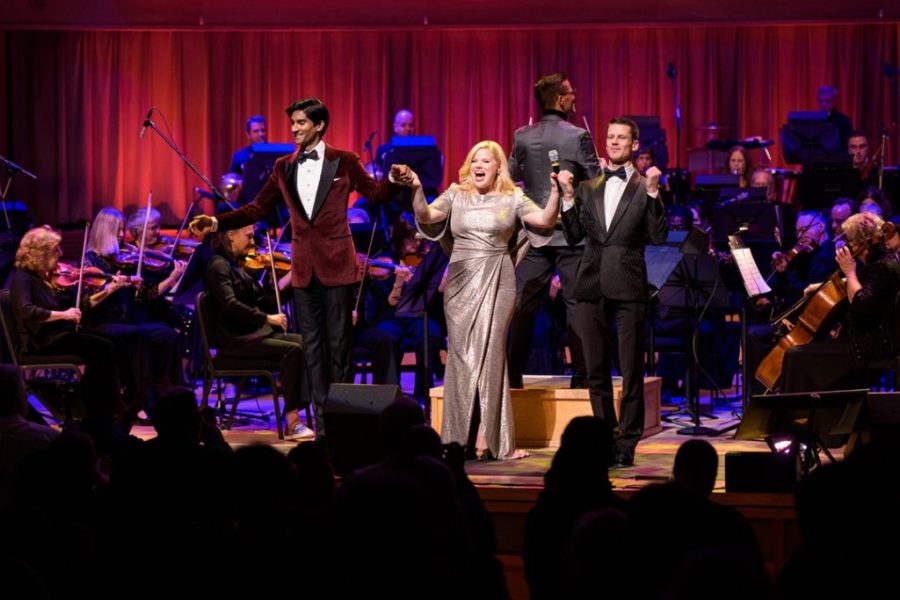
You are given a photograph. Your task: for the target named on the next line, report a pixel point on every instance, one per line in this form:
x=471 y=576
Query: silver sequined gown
x=485 y=237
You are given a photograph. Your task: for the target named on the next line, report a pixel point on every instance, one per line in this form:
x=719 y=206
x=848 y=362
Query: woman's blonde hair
x=104 y=238
x=858 y=228
x=37 y=248
x=503 y=183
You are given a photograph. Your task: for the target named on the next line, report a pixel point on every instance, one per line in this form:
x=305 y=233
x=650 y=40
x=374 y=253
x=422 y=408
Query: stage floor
x=653 y=460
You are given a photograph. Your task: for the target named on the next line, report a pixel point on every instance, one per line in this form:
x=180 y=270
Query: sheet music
x=754 y=282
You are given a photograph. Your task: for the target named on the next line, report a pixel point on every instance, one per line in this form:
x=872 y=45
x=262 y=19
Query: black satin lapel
x=599 y=209
x=625 y=201
x=290 y=176
x=329 y=168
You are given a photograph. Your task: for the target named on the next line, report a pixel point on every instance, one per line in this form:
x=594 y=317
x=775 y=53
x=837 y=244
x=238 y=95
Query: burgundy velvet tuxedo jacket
x=321 y=242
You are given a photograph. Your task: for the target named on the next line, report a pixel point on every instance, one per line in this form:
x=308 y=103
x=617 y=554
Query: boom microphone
x=204 y=193
x=146 y=123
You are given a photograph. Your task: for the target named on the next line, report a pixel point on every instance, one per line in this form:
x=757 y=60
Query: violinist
x=387 y=335
x=862 y=158
x=46 y=328
x=118 y=311
x=867 y=330
x=247 y=324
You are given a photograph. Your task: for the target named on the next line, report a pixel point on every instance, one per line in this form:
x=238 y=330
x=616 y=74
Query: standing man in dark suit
x=529 y=162
x=315 y=182
x=617 y=214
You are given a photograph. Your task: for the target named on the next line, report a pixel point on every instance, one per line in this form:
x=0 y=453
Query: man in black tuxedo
x=247 y=324
x=616 y=214
x=529 y=162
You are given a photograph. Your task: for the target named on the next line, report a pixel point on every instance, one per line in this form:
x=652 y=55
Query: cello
x=819 y=309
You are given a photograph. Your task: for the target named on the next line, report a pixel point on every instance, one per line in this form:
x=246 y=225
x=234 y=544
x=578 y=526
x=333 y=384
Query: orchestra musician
x=867 y=332
x=812 y=259
x=46 y=327
x=739 y=163
x=246 y=323
x=118 y=311
x=384 y=333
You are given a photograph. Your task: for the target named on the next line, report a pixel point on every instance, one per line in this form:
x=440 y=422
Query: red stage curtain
x=74 y=100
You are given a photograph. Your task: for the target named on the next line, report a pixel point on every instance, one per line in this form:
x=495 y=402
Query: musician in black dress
x=46 y=324
x=120 y=311
x=867 y=331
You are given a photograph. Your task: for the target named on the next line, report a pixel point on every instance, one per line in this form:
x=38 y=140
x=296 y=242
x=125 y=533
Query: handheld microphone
x=554 y=160
x=204 y=194
x=368 y=143
x=671 y=72
x=146 y=123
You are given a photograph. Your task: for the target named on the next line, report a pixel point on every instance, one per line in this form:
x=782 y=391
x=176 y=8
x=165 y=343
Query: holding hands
x=403 y=175
x=565 y=180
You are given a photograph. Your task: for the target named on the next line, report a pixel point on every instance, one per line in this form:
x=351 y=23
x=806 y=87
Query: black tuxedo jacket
x=613 y=266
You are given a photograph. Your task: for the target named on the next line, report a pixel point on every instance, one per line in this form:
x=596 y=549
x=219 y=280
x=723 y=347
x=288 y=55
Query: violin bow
x=87 y=230
x=140 y=264
x=272 y=268
x=362 y=279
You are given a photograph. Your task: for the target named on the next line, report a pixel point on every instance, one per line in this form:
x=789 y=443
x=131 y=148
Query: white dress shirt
x=612 y=193
x=308 y=174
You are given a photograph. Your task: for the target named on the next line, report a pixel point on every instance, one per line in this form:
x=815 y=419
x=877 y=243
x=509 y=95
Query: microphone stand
x=11 y=170
x=672 y=73
x=186 y=160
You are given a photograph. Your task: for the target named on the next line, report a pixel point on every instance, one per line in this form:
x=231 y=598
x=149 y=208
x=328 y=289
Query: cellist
x=867 y=331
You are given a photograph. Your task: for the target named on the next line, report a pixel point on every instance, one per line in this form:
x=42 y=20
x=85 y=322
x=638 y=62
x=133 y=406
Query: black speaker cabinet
x=760 y=472
x=353 y=424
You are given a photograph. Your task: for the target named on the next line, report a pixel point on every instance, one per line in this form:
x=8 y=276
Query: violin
x=183 y=249
x=66 y=277
x=258 y=259
x=819 y=309
x=381 y=268
x=872 y=163
x=781 y=260
x=128 y=259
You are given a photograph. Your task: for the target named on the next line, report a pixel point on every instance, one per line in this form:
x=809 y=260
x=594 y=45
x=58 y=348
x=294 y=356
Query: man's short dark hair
x=635 y=133
x=648 y=150
x=255 y=119
x=858 y=133
x=854 y=206
x=548 y=88
x=314 y=108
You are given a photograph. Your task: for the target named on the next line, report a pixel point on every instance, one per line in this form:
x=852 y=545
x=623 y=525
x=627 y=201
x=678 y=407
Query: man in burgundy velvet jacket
x=315 y=182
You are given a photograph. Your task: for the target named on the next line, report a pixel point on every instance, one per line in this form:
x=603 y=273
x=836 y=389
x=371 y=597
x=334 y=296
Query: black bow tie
x=311 y=155
x=620 y=172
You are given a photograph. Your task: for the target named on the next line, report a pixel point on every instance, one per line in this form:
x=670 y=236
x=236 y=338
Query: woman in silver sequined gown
x=490 y=222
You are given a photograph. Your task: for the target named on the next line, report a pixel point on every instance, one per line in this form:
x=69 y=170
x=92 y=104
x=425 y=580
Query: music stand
x=806 y=418
x=257 y=171
x=694 y=284
x=738 y=194
x=810 y=137
x=417 y=296
x=422 y=155
x=820 y=184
